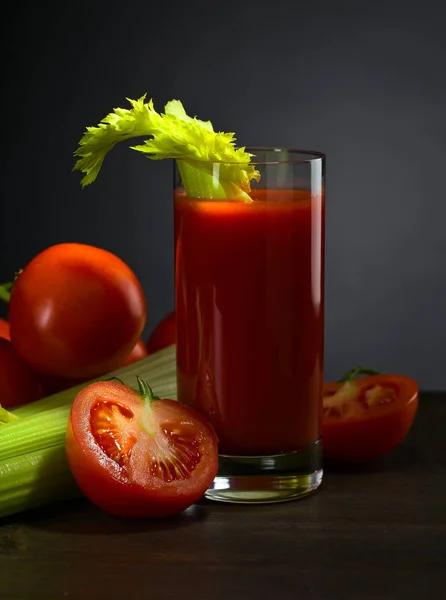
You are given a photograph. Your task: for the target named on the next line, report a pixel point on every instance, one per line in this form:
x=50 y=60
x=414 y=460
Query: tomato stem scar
x=145 y=391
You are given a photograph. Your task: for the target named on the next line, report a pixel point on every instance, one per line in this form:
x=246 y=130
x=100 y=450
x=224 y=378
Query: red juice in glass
x=250 y=322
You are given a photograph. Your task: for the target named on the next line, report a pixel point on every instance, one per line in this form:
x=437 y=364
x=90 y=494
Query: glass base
x=266 y=479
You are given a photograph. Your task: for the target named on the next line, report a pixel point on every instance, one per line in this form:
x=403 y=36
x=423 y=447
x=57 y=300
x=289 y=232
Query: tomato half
x=367 y=418
x=19 y=384
x=164 y=334
x=137 y=456
x=4 y=329
x=138 y=352
x=76 y=311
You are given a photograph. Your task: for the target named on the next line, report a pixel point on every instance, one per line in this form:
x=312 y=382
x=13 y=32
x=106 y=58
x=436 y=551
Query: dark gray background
x=362 y=81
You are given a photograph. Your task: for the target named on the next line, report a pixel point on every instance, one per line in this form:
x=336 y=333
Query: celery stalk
x=35 y=479
x=7 y=416
x=33 y=465
x=29 y=434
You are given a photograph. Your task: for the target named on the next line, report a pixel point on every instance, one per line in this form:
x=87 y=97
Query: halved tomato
x=135 y=455
x=366 y=418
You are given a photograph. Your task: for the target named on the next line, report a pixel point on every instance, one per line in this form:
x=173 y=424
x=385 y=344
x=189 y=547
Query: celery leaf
x=175 y=135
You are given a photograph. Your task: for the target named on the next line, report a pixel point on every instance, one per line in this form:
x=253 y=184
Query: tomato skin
x=76 y=311
x=4 y=329
x=139 y=352
x=368 y=435
x=131 y=490
x=164 y=334
x=19 y=384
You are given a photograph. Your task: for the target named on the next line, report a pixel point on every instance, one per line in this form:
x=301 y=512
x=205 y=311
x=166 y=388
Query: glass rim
x=306 y=156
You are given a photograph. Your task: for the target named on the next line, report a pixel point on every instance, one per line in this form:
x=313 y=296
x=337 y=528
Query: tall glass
x=249 y=281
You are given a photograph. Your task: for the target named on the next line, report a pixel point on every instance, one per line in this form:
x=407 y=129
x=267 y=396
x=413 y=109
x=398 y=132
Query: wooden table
x=377 y=532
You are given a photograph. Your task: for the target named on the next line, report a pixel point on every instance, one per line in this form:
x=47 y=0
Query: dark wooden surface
x=369 y=533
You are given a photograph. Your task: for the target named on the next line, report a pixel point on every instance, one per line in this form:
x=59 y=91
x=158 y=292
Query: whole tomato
x=138 y=352
x=19 y=384
x=164 y=334
x=76 y=311
x=4 y=329
x=52 y=385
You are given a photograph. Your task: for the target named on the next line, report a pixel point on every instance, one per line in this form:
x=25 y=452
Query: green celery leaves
x=173 y=134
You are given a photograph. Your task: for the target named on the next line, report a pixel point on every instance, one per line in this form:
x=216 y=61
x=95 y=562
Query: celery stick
x=41 y=430
x=35 y=479
x=33 y=466
x=7 y=416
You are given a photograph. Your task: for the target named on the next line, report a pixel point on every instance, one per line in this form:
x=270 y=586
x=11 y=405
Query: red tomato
x=137 y=456
x=19 y=384
x=52 y=385
x=164 y=334
x=366 y=418
x=138 y=352
x=4 y=329
x=76 y=311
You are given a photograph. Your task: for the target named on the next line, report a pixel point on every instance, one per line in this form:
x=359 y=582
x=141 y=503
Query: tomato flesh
x=177 y=461
x=139 y=458
x=367 y=418
x=109 y=427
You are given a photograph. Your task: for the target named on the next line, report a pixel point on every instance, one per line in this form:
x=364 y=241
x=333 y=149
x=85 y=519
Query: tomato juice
x=250 y=317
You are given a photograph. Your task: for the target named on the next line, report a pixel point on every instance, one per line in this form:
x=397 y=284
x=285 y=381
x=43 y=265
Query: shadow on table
x=402 y=458
x=80 y=517
x=60 y=505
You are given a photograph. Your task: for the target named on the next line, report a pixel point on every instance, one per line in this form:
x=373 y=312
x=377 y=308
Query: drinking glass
x=249 y=293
